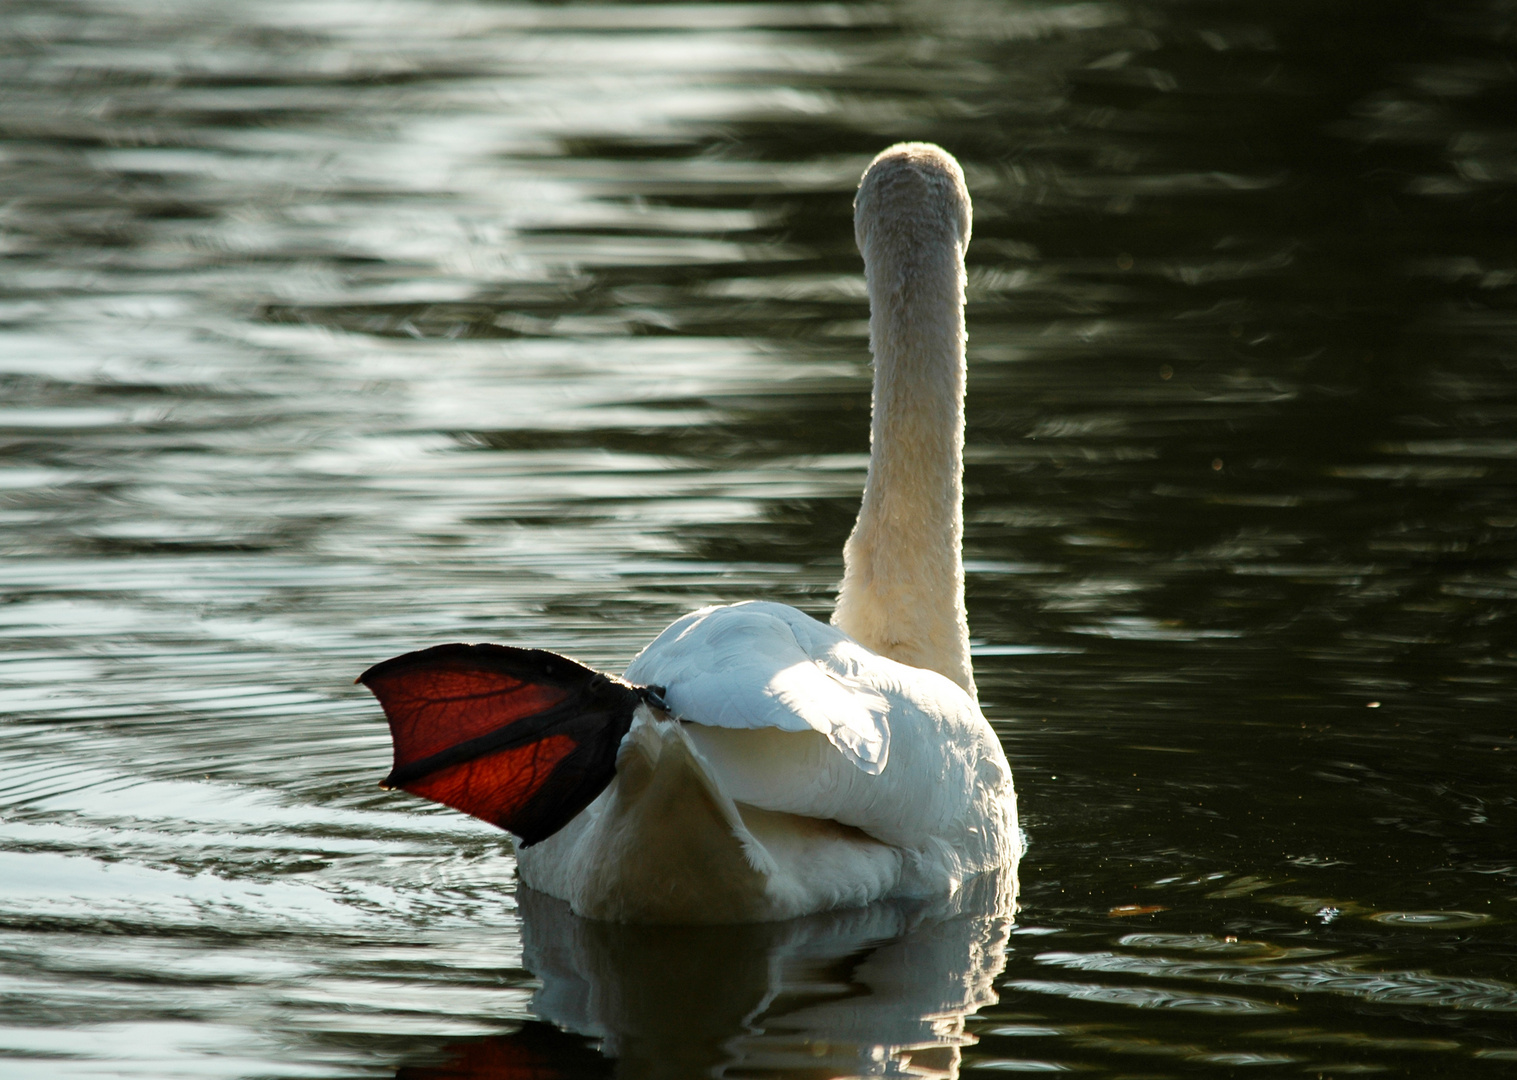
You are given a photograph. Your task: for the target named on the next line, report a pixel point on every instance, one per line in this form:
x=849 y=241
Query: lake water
x=330 y=330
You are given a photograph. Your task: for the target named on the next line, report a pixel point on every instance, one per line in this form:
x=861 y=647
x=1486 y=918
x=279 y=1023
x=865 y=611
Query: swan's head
x=912 y=197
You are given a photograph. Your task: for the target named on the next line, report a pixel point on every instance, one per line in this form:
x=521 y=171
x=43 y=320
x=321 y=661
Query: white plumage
x=804 y=767
x=759 y=665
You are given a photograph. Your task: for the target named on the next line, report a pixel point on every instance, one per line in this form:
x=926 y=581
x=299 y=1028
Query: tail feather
x=668 y=844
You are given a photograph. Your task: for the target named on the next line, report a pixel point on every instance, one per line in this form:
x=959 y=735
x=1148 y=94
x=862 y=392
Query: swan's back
x=794 y=716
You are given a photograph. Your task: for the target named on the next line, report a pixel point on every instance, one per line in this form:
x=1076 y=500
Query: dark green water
x=330 y=330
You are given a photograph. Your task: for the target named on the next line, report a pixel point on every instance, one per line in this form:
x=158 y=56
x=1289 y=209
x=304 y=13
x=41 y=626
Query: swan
x=753 y=763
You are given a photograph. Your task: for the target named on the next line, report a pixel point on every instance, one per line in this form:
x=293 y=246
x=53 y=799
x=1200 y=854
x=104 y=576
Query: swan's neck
x=903 y=574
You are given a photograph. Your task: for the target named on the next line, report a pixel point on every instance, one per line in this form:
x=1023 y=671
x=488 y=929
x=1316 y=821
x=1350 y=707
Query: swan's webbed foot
x=522 y=738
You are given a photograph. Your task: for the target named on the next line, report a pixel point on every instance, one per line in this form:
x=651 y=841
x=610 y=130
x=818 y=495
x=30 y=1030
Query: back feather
x=764 y=665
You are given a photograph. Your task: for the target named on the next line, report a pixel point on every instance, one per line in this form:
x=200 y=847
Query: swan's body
x=819 y=775
x=788 y=766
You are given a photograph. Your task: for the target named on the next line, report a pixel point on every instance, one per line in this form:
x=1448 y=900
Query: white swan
x=757 y=764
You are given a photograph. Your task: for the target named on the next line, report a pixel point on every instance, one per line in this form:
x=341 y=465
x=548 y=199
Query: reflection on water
x=882 y=990
x=331 y=330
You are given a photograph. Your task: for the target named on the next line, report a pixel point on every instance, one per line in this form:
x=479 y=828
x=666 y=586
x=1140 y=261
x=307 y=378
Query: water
x=329 y=331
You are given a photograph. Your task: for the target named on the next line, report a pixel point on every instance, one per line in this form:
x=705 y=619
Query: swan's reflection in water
x=876 y=991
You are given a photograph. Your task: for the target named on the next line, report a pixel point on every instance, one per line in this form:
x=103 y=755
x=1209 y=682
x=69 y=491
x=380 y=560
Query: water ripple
x=1345 y=978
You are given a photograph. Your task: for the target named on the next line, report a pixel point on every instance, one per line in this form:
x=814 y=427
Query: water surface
x=329 y=331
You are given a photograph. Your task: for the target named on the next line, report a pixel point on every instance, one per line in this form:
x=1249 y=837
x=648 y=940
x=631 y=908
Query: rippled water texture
x=330 y=330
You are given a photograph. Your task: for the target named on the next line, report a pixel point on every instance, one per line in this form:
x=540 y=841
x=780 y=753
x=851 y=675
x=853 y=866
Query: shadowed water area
x=332 y=330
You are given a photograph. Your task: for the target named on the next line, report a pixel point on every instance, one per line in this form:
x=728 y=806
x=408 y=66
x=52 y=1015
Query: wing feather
x=759 y=682
x=761 y=665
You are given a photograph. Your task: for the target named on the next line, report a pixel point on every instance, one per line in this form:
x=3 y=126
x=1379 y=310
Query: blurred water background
x=330 y=330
